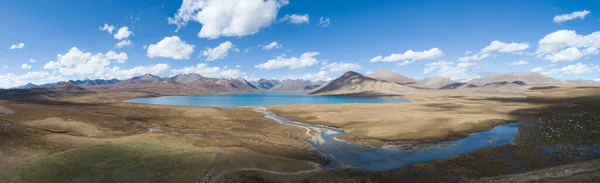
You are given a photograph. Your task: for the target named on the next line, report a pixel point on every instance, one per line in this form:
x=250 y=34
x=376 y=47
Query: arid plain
x=88 y=134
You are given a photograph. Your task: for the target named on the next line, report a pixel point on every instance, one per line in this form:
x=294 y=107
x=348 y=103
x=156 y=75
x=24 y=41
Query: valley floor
x=71 y=139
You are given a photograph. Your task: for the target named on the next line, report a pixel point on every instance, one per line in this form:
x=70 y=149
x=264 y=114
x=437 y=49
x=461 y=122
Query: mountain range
x=378 y=82
x=194 y=81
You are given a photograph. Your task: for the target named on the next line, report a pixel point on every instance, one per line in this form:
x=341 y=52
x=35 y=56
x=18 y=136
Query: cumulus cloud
x=562 y=39
x=520 y=62
x=123 y=43
x=495 y=46
x=77 y=62
x=295 y=19
x=410 y=55
x=205 y=70
x=478 y=56
x=454 y=71
x=227 y=18
x=32 y=60
x=118 y=73
x=17 y=46
x=570 y=16
x=306 y=60
x=578 y=68
x=499 y=46
x=537 y=69
x=219 y=52
x=107 y=28
x=122 y=33
x=10 y=80
x=25 y=66
x=341 y=67
x=272 y=45
x=320 y=76
x=571 y=54
x=324 y=22
x=170 y=47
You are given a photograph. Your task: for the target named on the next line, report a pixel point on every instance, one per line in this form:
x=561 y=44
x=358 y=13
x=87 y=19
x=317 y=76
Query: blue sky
x=439 y=33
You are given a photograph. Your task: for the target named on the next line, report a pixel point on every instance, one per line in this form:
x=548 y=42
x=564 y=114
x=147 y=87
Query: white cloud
x=32 y=60
x=503 y=47
x=238 y=66
x=227 y=18
x=205 y=70
x=25 y=66
x=77 y=62
x=474 y=57
x=116 y=72
x=122 y=33
x=170 y=47
x=324 y=22
x=306 y=60
x=219 y=52
x=495 y=46
x=320 y=76
x=123 y=43
x=520 y=62
x=570 y=16
x=272 y=45
x=341 y=67
x=571 y=54
x=537 y=69
x=590 y=51
x=13 y=80
x=5 y=67
x=410 y=55
x=578 y=68
x=562 y=39
x=17 y=46
x=295 y=19
x=404 y=63
x=107 y=28
x=568 y=54
x=460 y=71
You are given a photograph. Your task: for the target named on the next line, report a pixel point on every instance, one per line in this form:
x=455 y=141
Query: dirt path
x=212 y=175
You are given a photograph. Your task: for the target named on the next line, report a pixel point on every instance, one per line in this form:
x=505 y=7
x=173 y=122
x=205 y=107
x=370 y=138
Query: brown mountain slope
x=352 y=83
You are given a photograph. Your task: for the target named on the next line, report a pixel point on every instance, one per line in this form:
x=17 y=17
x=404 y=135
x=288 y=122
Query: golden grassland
x=70 y=139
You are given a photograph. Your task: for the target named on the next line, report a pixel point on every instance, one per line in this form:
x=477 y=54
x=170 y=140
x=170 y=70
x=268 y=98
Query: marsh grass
x=132 y=162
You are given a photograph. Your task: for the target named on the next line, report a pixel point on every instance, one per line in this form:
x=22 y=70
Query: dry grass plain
x=430 y=117
x=78 y=139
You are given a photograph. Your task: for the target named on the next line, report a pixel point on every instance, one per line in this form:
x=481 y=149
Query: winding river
x=341 y=154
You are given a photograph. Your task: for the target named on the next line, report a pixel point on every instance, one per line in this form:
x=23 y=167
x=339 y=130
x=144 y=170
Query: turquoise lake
x=343 y=155
x=257 y=99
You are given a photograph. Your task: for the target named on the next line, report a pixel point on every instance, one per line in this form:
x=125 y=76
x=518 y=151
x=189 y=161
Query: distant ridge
x=532 y=78
x=266 y=84
x=295 y=85
x=437 y=82
x=382 y=74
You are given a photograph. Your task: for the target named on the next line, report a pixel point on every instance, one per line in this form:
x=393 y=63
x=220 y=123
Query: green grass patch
x=136 y=162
